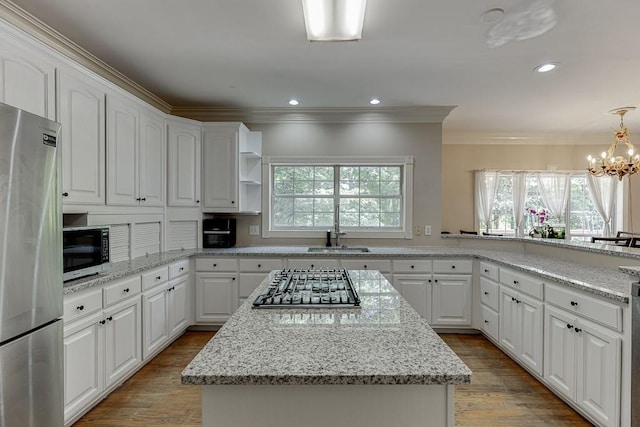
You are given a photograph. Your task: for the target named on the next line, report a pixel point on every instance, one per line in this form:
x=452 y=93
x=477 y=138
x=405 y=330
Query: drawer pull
x=486 y=293
x=429 y=280
x=486 y=270
x=578 y=330
x=513 y=299
x=215 y=265
x=435 y=280
x=486 y=321
x=453 y=266
x=515 y=282
x=413 y=266
x=259 y=265
x=365 y=266
x=181 y=269
x=102 y=322
x=80 y=307
x=125 y=290
x=573 y=303
x=110 y=318
x=569 y=326
x=312 y=265
x=158 y=277
x=233 y=278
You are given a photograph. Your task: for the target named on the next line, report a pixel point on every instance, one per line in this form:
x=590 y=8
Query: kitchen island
x=379 y=364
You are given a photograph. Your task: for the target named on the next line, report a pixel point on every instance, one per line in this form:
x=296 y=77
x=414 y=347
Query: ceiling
x=413 y=53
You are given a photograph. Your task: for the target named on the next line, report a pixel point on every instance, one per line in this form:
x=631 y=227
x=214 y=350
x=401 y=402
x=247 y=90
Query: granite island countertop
x=385 y=341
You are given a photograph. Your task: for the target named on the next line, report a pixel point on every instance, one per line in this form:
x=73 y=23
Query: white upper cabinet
x=123 y=121
x=184 y=162
x=25 y=81
x=135 y=154
x=81 y=111
x=152 y=159
x=232 y=168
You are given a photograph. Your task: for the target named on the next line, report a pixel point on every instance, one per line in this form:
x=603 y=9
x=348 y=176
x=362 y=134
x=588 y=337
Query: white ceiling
x=254 y=53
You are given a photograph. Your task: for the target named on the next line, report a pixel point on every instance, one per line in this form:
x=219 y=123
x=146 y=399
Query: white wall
x=420 y=140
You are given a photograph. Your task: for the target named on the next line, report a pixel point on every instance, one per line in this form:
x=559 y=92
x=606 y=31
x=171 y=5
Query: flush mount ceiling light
x=610 y=164
x=293 y=102
x=543 y=68
x=374 y=101
x=333 y=20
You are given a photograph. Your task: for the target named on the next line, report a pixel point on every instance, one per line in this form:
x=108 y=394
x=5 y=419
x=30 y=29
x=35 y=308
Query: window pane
x=584 y=219
x=303 y=187
x=282 y=212
x=323 y=173
x=369 y=205
x=323 y=205
x=390 y=173
x=370 y=220
x=303 y=219
x=301 y=204
x=303 y=173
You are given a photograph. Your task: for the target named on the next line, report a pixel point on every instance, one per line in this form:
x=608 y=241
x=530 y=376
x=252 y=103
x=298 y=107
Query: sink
x=338 y=249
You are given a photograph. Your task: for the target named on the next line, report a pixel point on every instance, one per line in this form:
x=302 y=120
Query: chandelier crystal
x=616 y=165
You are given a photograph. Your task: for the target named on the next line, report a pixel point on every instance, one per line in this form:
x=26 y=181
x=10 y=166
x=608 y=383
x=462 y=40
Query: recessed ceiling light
x=374 y=101
x=543 y=68
x=293 y=102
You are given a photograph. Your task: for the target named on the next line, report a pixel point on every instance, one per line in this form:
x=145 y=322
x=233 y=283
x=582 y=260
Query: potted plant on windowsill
x=540 y=228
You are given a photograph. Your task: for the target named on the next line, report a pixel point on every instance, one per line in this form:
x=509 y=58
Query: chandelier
x=610 y=164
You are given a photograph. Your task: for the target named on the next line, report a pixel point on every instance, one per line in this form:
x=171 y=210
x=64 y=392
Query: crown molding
x=23 y=20
x=426 y=114
x=525 y=138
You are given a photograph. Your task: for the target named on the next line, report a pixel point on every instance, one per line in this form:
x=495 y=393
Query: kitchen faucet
x=336 y=227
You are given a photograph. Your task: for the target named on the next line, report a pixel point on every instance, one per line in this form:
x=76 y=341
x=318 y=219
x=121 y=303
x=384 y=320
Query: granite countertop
x=608 y=283
x=385 y=341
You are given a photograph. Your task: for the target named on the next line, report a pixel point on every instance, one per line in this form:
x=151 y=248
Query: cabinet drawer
x=366 y=264
x=154 y=277
x=463 y=266
x=313 y=263
x=490 y=293
x=178 y=269
x=489 y=270
x=260 y=264
x=82 y=304
x=599 y=311
x=120 y=290
x=490 y=321
x=530 y=285
x=216 y=264
x=411 y=266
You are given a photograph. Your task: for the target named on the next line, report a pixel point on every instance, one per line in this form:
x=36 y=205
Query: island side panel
x=322 y=405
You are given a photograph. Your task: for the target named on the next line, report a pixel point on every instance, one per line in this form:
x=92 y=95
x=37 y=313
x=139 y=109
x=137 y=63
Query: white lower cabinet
x=156 y=324
x=216 y=295
x=451 y=300
x=100 y=350
x=521 y=328
x=416 y=289
x=178 y=306
x=582 y=363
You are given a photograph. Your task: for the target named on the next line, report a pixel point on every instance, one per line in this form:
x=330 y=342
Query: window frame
x=406 y=162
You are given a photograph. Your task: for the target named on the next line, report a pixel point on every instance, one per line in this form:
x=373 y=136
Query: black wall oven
x=219 y=233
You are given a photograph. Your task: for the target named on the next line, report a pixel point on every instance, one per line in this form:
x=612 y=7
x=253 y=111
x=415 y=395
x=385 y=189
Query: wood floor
x=502 y=393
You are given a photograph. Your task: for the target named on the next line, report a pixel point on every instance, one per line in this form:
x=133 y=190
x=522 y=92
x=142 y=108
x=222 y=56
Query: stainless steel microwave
x=85 y=251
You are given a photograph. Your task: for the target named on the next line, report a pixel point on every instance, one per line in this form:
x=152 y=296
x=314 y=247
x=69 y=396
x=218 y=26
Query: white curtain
x=603 y=191
x=554 y=189
x=519 y=193
x=485 y=194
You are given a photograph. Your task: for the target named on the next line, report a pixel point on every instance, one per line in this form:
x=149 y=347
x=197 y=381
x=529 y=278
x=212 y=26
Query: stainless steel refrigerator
x=31 y=369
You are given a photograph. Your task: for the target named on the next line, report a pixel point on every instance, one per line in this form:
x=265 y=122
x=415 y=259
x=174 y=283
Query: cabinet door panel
x=178 y=300
x=83 y=364
x=508 y=321
x=416 y=289
x=123 y=339
x=531 y=318
x=220 y=152
x=122 y=158
x=27 y=84
x=598 y=373
x=183 y=165
x=151 y=160
x=451 y=300
x=215 y=296
x=82 y=115
x=559 y=352
x=155 y=320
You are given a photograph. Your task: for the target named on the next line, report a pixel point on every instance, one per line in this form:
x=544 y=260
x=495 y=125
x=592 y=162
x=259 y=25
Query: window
x=582 y=218
x=367 y=196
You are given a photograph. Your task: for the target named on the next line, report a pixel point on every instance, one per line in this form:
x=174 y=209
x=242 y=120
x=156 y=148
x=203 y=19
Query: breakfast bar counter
x=378 y=364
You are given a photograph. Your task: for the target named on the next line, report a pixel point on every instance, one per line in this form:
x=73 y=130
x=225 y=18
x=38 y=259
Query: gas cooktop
x=294 y=288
